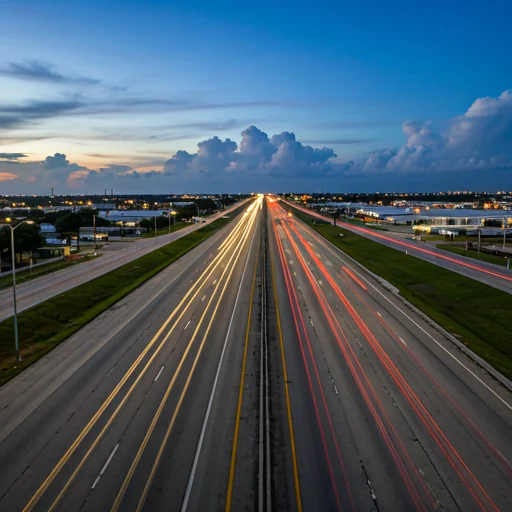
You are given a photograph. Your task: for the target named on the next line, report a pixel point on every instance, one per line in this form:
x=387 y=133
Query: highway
x=40 y=289
x=264 y=371
x=487 y=273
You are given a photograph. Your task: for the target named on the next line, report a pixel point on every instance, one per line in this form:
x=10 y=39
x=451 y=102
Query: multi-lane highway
x=487 y=273
x=262 y=372
x=33 y=292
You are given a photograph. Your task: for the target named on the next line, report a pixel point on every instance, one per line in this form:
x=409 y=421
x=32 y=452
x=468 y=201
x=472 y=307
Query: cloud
x=7 y=176
x=12 y=116
x=257 y=155
x=12 y=156
x=479 y=140
x=40 y=72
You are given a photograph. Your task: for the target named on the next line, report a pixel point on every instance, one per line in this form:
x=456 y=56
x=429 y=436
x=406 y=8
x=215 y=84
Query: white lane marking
x=379 y=314
x=335 y=389
x=188 y=323
x=291 y=262
x=204 y=297
x=318 y=254
x=104 y=468
x=159 y=373
x=402 y=341
x=212 y=394
x=311 y=322
x=294 y=273
x=215 y=281
x=320 y=282
x=503 y=401
x=110 y=372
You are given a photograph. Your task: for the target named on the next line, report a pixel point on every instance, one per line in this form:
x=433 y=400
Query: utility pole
x=479 y=232
x=94 y=234
x=504 y=232
x=16 y=348
x=155 y=230
x=169 y=215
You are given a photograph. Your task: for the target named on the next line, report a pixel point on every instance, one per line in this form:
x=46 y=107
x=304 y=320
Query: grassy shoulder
x=42 y=270
x=477 y=314
x=165 y=231
x=44 y=326
x=489 y=258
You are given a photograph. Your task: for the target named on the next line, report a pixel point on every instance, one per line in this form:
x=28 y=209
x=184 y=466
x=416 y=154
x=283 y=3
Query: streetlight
x=14 y=284
x=173 y=215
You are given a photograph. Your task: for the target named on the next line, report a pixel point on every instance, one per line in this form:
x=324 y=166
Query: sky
x=166 y=96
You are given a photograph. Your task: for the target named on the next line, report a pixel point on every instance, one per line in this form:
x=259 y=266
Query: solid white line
x=504 y=402
x=110 y=372
x=204 y=297
x=402 y=341
x=188 y=323
x=159 y=373
x=104 y=468
x=212 y=394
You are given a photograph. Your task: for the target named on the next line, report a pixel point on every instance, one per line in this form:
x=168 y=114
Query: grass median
x=44 y=326
x=475 y=313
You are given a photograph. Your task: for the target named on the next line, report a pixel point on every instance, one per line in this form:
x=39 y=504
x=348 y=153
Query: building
x=131 y=215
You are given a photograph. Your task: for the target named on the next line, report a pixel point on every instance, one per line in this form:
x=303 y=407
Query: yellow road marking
x=58 y=467
x=229 y=496
x=138 y=456
x=287 y=394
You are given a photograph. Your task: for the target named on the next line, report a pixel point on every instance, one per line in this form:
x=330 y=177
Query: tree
x=26 y=238
x=72 y=222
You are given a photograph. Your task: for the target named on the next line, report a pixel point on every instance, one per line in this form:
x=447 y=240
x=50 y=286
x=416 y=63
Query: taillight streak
x=411 y=246
x=506 y=465
x=294 y=305
x=443 y=443
x=404 y=472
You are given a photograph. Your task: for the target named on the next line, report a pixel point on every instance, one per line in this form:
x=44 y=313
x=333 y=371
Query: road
x=487 y=273
x=262 y=372
x=40 y=289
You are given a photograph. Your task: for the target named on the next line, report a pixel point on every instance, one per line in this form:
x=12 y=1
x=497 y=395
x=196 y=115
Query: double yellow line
x=237 y=233
x=229 y=495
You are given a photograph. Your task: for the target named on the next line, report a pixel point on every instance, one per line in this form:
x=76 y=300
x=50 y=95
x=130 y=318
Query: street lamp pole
x=155 y=229
x=504 y=232
x=14 y=296
x=13 y=256
x=169 y=215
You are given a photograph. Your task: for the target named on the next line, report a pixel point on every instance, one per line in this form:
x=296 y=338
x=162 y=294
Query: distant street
x=265 y=371
x=479 y=270
x=40 y=289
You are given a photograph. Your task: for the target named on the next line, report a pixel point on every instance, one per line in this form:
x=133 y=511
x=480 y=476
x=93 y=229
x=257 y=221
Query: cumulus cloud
x=256 y=155
x=480 y=139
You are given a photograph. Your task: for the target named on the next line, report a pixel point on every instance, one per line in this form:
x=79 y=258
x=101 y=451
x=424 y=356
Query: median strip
x=48 y=324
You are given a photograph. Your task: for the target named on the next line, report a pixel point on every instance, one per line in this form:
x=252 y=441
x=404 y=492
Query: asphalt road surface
x=261 y=372
x=40 y=289
x=487 y=273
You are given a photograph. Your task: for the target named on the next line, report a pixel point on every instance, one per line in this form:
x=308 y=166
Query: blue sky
x=120 y=87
